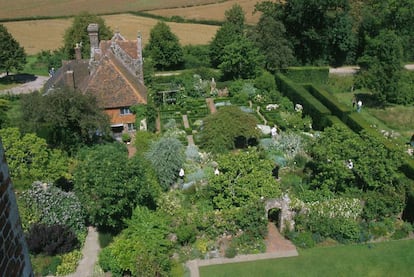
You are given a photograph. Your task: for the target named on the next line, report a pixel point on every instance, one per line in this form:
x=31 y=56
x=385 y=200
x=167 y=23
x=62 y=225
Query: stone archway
x=286 y=214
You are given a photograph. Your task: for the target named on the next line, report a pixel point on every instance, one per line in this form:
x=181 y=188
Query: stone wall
x=14 y=254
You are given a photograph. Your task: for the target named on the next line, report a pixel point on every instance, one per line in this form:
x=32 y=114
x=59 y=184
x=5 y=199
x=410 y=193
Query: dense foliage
x=12 y=55
x=110 y=186
x=77 y=33
x=31 y=159
x=51 y=239
x=142 y=249
x=46 y=204
x=164 y=48
x=167 y=157
x=227 y=129
x=66 y=119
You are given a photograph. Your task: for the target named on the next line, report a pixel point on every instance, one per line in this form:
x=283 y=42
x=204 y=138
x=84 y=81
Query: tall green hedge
x=299 y=95
x=326 y=98
x=308 y=74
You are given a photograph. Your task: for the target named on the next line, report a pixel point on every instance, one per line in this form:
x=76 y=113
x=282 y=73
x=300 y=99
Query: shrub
x=51 y=240
x=402 y=231
x=126 y=137
x=302 y=239
x=186 y=233
x=230 y=252
x=69 y=263
x=47 y=204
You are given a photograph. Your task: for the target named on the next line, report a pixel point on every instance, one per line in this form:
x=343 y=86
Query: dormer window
x=124 y=111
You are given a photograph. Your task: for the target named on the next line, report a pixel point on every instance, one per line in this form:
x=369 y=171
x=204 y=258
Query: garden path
x=210 y=105
x=276 y=247
x=90 y=253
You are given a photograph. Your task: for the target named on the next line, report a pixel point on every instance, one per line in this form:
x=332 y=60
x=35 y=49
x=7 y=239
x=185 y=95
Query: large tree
x=229 y=33
x=228 y=128
x=164 y=48
x=67 y=119
x=110 y=186
x=12 y=55
x=241 y=59
x=320 y=30
x=270 y=36
x=381 y=67
x=78 y=33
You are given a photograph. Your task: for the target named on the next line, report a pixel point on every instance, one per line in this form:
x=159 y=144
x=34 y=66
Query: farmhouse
x=113 y=74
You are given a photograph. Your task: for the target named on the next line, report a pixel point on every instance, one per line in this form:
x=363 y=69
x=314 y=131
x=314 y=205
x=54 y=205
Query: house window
x=125 y=111
x=131 y=126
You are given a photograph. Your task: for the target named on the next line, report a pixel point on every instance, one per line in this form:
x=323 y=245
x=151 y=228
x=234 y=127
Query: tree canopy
x=67 y=119
x=78 y=33
x=110 y=186
x=320 y=31
x=381 y=68
x=12 y=55
x=30 y=159
x=164 y=48
x=229 y=33
x=228 y=128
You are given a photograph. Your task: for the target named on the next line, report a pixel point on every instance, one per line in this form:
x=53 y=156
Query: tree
x=241 y=60
x=381 y=67
x=230 y=32
x=320 y=31
x=67 y=119
x=30 y=159
x=167 y=157
x=110 y=186
x=12 y=55
x=78 y=33
x=164 y=48
x=227 y=128
x=269 y=34
x=244 y=178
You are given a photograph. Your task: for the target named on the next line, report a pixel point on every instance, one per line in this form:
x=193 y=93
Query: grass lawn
x=380 y=259
x=394 y=117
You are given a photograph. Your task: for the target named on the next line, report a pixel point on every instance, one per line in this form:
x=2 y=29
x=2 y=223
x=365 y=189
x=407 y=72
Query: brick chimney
x=93 y=31
x=70 y=79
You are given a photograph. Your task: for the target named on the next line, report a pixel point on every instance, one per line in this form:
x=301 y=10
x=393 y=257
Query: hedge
x=308 y=74
x=299 y=94
x=326 y=98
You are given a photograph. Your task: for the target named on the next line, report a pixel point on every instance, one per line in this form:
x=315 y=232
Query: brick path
x=210 y=105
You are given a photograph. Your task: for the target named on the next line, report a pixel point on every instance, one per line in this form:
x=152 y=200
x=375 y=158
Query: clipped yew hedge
x=326 y=98
x=308 y=74
x=299 y=95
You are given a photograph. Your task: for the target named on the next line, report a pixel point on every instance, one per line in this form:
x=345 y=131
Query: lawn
x=380 y=259
x=393 y=117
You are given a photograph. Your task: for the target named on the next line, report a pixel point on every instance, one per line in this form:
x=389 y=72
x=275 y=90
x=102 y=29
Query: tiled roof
x=114 y=86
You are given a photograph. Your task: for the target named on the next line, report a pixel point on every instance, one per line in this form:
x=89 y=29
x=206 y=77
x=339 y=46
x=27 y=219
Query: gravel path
x=28 y=87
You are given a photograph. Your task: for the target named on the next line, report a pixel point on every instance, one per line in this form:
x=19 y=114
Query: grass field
x=380 y=259
x=212 y=11
x=37 y=35
x=30 y=8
